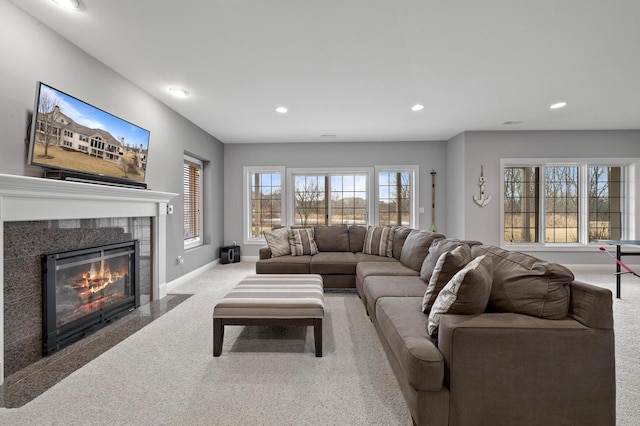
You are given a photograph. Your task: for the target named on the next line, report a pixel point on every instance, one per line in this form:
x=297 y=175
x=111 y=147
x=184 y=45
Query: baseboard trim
x=164 y=289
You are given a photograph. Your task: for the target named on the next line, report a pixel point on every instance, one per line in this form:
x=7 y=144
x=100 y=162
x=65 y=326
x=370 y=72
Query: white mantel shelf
x=30 y=198
x=24 y=198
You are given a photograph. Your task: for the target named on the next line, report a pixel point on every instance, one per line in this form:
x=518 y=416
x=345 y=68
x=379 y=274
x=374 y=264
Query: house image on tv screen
x=60 y=142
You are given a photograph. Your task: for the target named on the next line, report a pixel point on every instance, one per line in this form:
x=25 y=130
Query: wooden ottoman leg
x=218 y=335
x=317 y=334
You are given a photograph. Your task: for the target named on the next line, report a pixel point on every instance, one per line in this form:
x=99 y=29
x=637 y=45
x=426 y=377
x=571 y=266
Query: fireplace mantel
x=24 y=198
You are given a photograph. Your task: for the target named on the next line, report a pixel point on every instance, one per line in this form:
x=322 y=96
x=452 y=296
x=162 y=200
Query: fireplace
x=83 y=290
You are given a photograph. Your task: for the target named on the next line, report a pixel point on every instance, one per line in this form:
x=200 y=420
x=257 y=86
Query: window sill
x=554 y=248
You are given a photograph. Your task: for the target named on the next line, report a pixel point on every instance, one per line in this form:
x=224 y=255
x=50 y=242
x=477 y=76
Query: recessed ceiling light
x=179 y=92
x=68 y=4
x=282 y=110
x=417 y=107
x=558 y=105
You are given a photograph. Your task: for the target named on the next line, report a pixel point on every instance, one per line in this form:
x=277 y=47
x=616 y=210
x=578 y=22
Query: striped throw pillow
x=379 y=241
x=302 y=242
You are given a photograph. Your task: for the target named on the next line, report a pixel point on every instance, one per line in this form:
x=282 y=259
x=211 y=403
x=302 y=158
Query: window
x=334 y=198
x=321 y=197
x=396 y=195
x=605 y=202
x=263 y=202
x=266 y=202
x=557 y=203
x=192 y=198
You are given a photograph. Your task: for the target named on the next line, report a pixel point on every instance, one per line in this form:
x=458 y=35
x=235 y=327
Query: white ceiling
x=353 y=68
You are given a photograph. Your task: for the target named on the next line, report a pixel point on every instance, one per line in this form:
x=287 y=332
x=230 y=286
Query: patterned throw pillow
x=467 y=293
x=379 y=241
x=301 y=242
x=447 y=265
x=278 y=241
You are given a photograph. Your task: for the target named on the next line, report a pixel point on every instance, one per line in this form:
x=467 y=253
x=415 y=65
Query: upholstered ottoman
x=274 y=299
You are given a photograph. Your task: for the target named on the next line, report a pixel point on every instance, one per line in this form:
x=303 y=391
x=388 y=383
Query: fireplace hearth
x=86 y=289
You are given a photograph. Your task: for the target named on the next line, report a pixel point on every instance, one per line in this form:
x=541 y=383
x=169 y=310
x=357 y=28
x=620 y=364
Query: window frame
x=629 y=204
x=196 y=241
x=329 y=171
x=414 y=174
x=246 y=200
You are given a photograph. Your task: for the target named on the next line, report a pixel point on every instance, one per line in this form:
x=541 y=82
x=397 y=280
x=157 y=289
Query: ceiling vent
x=328 y=136
x=511 y=123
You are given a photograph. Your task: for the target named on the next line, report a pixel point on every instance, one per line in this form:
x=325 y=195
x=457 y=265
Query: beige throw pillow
x=447 y=265
x=379 y=241
x=278 y=241
x=439 y=246
x=302 y=242
x=467 y=293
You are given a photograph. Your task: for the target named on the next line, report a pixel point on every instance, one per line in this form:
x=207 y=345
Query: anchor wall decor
x=483 y=199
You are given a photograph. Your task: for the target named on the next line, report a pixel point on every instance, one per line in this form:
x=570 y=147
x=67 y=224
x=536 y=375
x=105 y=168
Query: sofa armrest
x=265 y=253
x=504 y=368
x=591 y=305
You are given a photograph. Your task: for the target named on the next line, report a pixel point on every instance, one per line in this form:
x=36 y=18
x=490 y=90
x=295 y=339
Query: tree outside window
x=557 y=191
x=266 y=202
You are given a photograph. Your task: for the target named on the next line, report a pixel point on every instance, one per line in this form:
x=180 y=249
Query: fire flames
x=97 y=286
x=95 y=281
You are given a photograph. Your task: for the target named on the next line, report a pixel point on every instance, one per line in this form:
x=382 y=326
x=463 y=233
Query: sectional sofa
x=475 y=334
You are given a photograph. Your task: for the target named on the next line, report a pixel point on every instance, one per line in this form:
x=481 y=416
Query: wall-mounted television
x=77 y=139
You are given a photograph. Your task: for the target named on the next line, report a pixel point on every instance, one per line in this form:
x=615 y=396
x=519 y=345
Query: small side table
x=229 y=254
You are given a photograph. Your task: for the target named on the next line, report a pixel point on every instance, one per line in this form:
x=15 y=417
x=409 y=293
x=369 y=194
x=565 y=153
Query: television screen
x=69 y=134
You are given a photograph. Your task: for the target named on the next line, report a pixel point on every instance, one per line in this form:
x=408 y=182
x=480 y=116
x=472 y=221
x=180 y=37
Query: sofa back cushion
x=379 y=241
x=332 y=238
x=302 y=242
x=416 y=248
x=527 y=285
x=449 y=263
x=400 y=235
x=356 y=238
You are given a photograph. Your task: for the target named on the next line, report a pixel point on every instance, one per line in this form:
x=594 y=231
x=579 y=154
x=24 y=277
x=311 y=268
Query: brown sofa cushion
x=284 y=265
x=302 y=242
x=278 y=241
x=416 y=248
x=378 y=240
x=356 y=238
x=405 y=329
x=527 y=285
x=447 y=266
x=362 y=257
x=365 y=269
x=467 y=293
x=399 y=237
x=331 y=238
x=376 y=287
x=333 y=263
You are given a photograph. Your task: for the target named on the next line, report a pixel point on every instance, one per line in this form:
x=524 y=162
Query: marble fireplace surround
x=25 y=198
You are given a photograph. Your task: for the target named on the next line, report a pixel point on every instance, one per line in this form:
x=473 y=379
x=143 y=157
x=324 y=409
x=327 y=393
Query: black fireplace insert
x=83 y=290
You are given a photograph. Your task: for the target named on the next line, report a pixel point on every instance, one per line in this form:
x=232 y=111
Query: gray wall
x=31 y=52
x=428 y=155
x=455 y=173
x=487 y=148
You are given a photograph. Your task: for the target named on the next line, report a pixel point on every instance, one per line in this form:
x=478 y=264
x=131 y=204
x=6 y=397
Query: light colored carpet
x=166 y=375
